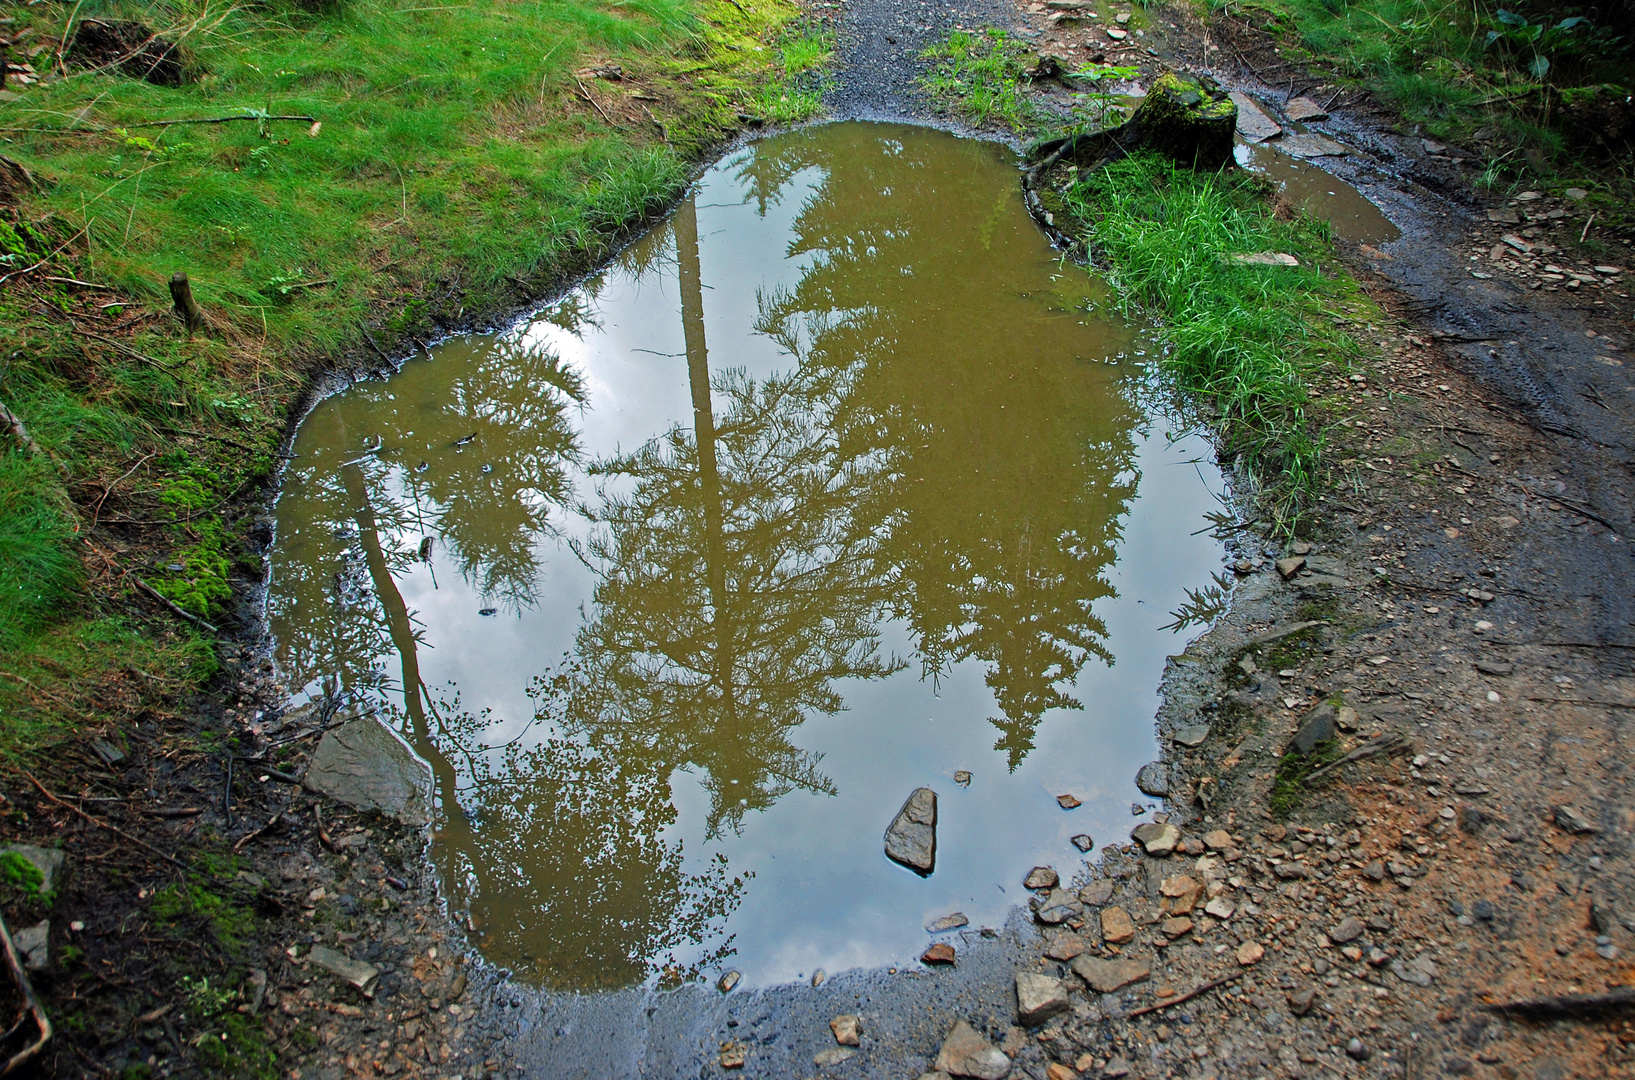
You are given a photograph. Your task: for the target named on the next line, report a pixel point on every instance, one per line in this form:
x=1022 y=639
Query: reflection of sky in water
x=822 y=894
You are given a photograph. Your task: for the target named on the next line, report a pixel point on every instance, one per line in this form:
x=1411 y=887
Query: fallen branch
x=224 y=120
x=247 y=837
x=1188 y=996
x=594 y=104
x=1385 y=744
x=11 y=420
x=175 y=609
x=1567 y=1006
x=99 y=823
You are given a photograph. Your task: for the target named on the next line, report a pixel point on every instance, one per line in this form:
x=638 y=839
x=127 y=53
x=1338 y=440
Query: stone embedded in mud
x=848 y=1029
x=1304 y=110
x=1109 y=976
x=1153 y=779
x=1116 y=926
x=1574 y=822
x=835 y=1055
x=1350 y=929
x=1040 y=877
x=366 y=764
x=1310 y=146
x=361 y=975
x=1096 y=893
x=1291 y=566
x=1060 y=906
x=727 y=981
x=966 y=1053
x=1217 y=840
x=733 y=1054
x=940 y=953
x=1175 y=927
x=1065 y=946
x=912 y=838
x=1193 y=735
x=1316 y=728
x=1038 y=998
x=1183 y=892
x=1158 y=839
x=1250 y=952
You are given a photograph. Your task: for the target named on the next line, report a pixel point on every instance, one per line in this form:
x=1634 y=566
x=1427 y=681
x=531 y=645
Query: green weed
x=20 y=874
x=800 y=79
x=1246 y=337
x=1289 y=786
x=983 y=76
x=38 y=567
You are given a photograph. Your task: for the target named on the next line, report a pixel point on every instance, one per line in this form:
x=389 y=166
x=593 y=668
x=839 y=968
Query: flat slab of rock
x=1065 y=946
x=966 y=1053
x=1157 y=839
x=1038 y=998
x=1254 y=123
x=1192 y=735
x=1116 y=926
x=1310 y=146
x=366 y=764
x=911 y=840
x=1097 y=893
x=833 y=1056
x=1109 y=976
x=361 y=975
x=1058 y=907
x=948 y=922
x=1303 y=110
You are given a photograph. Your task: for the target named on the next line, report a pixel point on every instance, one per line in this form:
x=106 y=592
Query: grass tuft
x=1245 y=337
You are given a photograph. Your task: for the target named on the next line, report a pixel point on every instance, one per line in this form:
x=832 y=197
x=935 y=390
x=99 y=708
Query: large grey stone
x=1153 y=779
x=912 y=838
x=1310 y=146
x=366 y=764
x=1316 y=727
x=48 y=861
x=33 y=944
x=1254 y=124
x=966 y=1053
x=1192 y=735
x=1038 y=998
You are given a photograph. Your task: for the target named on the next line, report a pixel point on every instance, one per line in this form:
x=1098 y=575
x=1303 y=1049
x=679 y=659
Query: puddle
x=835 y=485
x=1319 y=193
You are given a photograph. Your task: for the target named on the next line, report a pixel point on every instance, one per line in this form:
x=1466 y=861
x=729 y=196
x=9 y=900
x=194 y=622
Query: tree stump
x=1191 y=121
x=181 y=292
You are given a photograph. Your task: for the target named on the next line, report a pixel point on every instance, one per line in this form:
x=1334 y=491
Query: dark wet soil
x=879 y=45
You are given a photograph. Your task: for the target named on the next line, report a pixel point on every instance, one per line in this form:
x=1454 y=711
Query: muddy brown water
x=1320 y=193
x=836 y=484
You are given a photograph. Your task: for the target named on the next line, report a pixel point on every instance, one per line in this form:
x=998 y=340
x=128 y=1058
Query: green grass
x=465 y=157
x=1246 y=338
x=982 y=75
x=1509 y=73
x=801 y=77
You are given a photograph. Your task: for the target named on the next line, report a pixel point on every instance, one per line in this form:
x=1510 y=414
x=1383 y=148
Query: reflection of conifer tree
x=1010 y=472
x=734 y=586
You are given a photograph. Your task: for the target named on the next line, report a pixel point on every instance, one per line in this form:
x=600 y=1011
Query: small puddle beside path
x=836 y=484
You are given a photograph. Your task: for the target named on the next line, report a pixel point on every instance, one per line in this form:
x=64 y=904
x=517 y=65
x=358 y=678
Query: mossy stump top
x=1188 y=121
